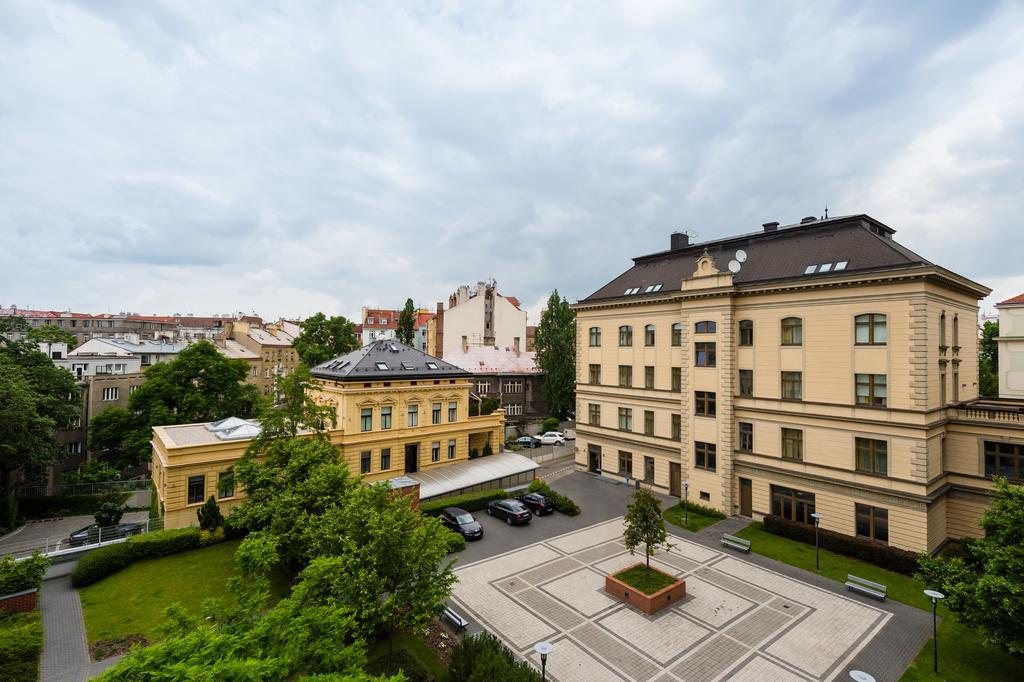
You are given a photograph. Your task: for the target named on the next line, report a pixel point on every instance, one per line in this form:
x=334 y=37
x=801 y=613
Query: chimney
x=770 y=227
x=808 y=219
x=679 y=240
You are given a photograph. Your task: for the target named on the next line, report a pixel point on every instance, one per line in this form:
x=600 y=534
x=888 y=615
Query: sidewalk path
x=65 y=652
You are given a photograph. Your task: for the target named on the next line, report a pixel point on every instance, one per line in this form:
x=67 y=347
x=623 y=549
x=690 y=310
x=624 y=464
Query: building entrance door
x=746 y=498
x=595 y=459
x=674 y=479
x=412 y=458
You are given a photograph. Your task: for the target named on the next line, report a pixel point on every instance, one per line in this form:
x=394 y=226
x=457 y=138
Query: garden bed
x=649 y=590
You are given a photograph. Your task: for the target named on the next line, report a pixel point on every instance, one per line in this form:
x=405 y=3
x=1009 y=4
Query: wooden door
x=746 y=498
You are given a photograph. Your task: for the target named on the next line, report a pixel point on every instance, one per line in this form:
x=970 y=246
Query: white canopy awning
x=440 y=480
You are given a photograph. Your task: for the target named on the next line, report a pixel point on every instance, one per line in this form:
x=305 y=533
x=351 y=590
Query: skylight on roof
x=841 y=265
x=382 y=365
x=649 y=289
x=825 y=267
x=431 y=365
x=657 y=287
x=406 y=365
x=810 y=269
x=630 y=292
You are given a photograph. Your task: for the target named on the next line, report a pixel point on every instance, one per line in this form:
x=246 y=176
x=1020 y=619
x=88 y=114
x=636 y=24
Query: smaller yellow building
x=400 y=412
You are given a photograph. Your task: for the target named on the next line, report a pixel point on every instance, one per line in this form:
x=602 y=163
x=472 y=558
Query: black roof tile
x=387 y=359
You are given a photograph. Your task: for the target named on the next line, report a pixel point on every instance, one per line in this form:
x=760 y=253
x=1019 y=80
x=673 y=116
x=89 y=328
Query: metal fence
x=91 y=536
x=82 y=488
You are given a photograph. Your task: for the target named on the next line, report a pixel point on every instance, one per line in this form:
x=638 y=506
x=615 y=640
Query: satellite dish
x=741 y=256
x=734 y=266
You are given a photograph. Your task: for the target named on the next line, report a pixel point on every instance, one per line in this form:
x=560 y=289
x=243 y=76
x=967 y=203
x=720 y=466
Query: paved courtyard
x=739 y=621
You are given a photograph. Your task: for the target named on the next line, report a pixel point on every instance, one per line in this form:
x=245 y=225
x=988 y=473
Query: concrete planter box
x=648 y=603
x=19 y=602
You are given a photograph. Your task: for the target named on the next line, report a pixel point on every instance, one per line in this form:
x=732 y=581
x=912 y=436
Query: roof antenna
x=826 y=211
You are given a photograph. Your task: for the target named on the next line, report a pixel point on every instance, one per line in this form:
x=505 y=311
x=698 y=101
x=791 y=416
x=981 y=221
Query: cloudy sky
x=166 y=157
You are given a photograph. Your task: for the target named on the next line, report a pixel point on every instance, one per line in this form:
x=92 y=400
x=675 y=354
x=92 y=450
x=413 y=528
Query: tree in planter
x=644 y=525
x=406 y=331
x=209 y=515
x=556 y=355
x=109 y=514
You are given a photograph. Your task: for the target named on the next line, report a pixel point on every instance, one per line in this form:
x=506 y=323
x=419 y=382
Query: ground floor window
x=872 y=522
x=704 y=456
x=625 y=463
x=649 y=469
x=791 y=504
x=196 y=489
x=435 y=452
x=451 y=449
x=226 y=484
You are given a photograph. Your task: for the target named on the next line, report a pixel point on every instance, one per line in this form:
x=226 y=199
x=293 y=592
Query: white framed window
x=111 y=393
x=451 y=449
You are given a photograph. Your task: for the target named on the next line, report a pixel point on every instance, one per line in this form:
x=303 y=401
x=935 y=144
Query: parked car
x=512 y=511
x=462 y=522
x=91 y=534
x=524 y=442
x=537 y=503
x=552 y=438
x=570 y=434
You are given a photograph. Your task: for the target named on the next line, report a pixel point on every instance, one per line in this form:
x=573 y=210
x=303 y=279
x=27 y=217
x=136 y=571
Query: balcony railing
x=979 y=413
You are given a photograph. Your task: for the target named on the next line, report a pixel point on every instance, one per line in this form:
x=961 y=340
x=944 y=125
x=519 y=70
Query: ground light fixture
x=935 y=596
x=543 y=649
x=817 y=522
x=686 y=503
x=861 y=676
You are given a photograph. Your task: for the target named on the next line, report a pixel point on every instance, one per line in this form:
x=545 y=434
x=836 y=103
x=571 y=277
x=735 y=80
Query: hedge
x=100 y=563
x=21 y=642
x=66 y=505
x=702 y=510
x=18 y=576
x=561 y=502
x=485 y=652
x=456 y=542
x=883 y=556
x=470 y=502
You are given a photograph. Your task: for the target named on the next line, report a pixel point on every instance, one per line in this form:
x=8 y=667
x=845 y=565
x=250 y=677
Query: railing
x=56 y=545
x=987 y=414
x=82 y=488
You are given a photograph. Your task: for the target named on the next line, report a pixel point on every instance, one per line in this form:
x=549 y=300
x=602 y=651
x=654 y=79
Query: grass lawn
x=21 y=641
x=132 y=600
x=416 y=648
x=697 y=521
x=647 y=581
x=962 y=653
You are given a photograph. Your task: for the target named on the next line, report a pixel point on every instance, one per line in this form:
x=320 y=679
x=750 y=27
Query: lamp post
x=817 y=522
x=935 y=596
x=543 y=649
x=686 y=503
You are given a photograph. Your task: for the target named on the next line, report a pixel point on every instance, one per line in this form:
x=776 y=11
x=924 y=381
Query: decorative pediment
x=706 y=266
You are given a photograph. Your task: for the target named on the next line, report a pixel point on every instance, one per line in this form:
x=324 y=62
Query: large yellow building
x=401 y=413
x=820 y=367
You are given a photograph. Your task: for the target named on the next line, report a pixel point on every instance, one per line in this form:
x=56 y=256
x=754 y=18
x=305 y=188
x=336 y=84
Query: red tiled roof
x=511 y=299
x=423 y=318
x=1016 y=300
x=376 y=313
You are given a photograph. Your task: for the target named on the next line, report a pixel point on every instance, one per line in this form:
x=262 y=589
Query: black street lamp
x=817 y=522
x=935 y=596
x=686 y=504
x=544 y=648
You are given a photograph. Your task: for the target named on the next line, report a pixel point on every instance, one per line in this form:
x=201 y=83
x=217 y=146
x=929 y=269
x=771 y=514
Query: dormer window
x=431 y=365
x=382 y=366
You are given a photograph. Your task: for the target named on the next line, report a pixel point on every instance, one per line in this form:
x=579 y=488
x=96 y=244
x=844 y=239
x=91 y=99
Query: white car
x=551 y=438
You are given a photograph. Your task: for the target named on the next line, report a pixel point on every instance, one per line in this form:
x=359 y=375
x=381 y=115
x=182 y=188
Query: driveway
x=52 y=534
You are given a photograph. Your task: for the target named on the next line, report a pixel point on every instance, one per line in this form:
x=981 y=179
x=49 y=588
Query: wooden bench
x=865 y=587
x=455 y=619
x=736 y=543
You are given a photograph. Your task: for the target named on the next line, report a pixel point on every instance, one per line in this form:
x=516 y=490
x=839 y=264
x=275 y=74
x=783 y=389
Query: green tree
x=484 y=406
x=406 y=331
x=323 y=338
x=295 y=409
x=988 y=360
x=50 y=333
x=985 y=587
x=644 y=525
x=209 y=515
x=556 y=355
x=109 y=514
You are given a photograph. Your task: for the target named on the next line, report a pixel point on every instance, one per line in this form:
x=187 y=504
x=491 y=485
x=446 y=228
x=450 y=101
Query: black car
x=462 y=522
x=90 y=535
x=524 y=442
x=512 y=511
x=537 y=503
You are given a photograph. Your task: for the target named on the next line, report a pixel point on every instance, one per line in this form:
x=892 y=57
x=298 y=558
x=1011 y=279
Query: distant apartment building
x=423 y=318
x=477 y=316
x=378 y=324
x=272 y=345
x=512 y=377
x=1011 y=347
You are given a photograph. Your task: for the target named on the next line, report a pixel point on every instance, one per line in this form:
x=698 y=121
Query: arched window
x=792 y=331
x=942 y=329
x=956 y=331
x=649 y=335
x=625 y=335
x=746 y=332
x=705 y=327
x=595 y=336
x=870 y=329
x=677 y=334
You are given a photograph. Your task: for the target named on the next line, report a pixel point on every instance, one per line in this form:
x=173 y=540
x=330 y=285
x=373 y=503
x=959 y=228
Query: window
x=133 y=388
x=625 y=463
x=431 y=365
x=677 y=379
x=677 y=427
x=649 y=469
x=625 y=375
x=942 y=329
x=196 y=489
x=956 y=331
x=451 y=449
x=625 y=335
x=791 y=504
x=453 y=411
x=704 y=456
x=677 y=334
x=385 y=459
x=435 y=413
x=382 y=365
x=705 y=403
x=746 y=437
x=594 y=413
x=871 y=389
x=792 y=331
x=364 y=462
x=625 y=419
x=870 y=329
x=595 y=374
x=513 y=387
x=792 y=444
x=1004 y=459
x=385 y=417
x=413 y=418
x=793 y=385
x=595 y=337
x=648 y=423
x=942 y=385
x=704 y=354
x=705 y=327
x=111 y=393
x=649 y=335
x=956 y=383
x=226 y=484
x=366 y=419
x=746 y=383
x=872 y=522
x=746 y=332
x=483 y=387
x=872 y=455
x=435 y=452
x=514 y=410
x=648 y=377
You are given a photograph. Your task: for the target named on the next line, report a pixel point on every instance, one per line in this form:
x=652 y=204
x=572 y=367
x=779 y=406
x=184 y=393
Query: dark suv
x=90 y=535
x=537 y=503
x=512 y=511
x=462 y=522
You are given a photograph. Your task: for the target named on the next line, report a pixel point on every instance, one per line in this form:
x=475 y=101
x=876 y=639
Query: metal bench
x=736 y=543
x=865 y=587
x=455 y=619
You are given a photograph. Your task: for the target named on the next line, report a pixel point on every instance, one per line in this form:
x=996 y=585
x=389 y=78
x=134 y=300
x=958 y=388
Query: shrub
x=470 y=502
x=211 y=537
x=456 y=543
x=154 y=502
x=561 y=502
x=482 y=657
x=487 y=450
x=401 y=660
x=94 y=471
x=884 y=556
x=474 y=453
x=65 y=505
x=109 y=514
x=18 y=576
x=695 y=508
x=233 y=529
x=21 y=641
x=8 y=513
x=550 y=424
x=100 y=563
x=209 y=515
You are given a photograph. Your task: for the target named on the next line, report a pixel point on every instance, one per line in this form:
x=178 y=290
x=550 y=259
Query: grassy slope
x=132 y=601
